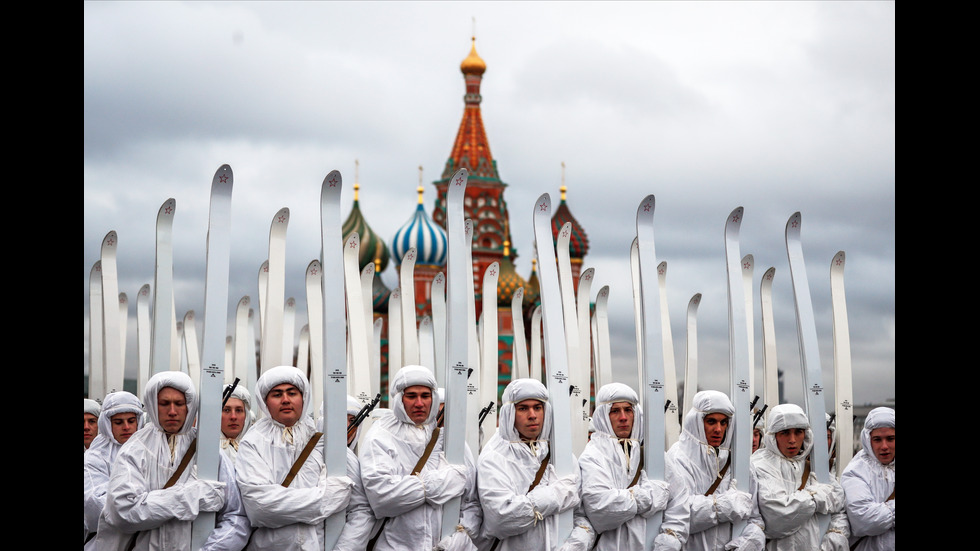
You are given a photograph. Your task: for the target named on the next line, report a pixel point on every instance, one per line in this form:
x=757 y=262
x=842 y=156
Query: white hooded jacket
x=617 y=511
x=102 y=452
x=524 y=520
x=694 y=464
x=867 y=484
x=790 y=514
x=287 y=518
x=136 y=501
x=413 y=503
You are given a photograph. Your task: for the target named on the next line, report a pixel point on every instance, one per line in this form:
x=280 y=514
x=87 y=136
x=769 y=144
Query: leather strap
x=415 y=471
x=298 y=464
x=806 y=474
x=721 y=475
x=537 y=479
x=184 y=462
x=639 y=469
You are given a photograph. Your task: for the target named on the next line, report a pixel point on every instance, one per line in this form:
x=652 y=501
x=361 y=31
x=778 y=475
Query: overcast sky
x=776 y=107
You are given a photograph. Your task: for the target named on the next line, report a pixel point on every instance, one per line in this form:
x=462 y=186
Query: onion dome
x=509 y=280
x=428 y=238
x=380 y=292
x=532 y=290
x=579 y=243
x=473 y=64
x=372 y=247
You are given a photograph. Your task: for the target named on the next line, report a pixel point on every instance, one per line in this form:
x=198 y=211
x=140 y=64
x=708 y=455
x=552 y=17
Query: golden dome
x=473 y=64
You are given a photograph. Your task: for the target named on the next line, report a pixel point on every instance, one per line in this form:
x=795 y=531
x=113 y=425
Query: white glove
x=733 y=505
x=210 y=494
x=546 y=499
x=581 y=539
x=827 y=497
x=752 y=538
x=444 y=483
x=457 y=541
x=666 y=542
x=336 y=492
x=651 y=496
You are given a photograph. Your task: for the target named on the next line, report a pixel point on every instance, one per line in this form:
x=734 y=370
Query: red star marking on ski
x=167 y=210
x=769 y=276
x=110 y=242
x=604 y=292
x=587 y=277
x=459 y=180
x=661 y=271
x=333 y=181
x=647 y=207
x=544 y=206
x=353 y=243
x=493 y=272
x=735 y=218
x=839 y=261
x=223 y=178
x=746 y=265
x=282 y=219
x=564 y=233
x=795 y=223
x=313 y=271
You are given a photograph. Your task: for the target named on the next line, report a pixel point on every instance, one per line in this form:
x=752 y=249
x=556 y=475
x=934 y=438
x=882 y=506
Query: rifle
x=226 y=393
x=362 y=415
x=758 y=415
x=485 y=411
x=754 y=402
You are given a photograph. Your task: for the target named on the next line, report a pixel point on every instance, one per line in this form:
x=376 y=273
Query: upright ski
x=143 y=337
x=112 y=348
x=843 y=396
x=314 y=316
x=192 y=350
x=691 y=365
x=212 y=360
x=739 y=357
x=809 y=356
x=96 y=359
x=458 y=270
x=275 y=295
x=604 y=371
x=410 y=336
x=556 y=351
x=438 y=294
x=489 y=367
x=240 y=357
x=748 y=266
x=652 y=363
x=520 y=367
x=164 y=323
x=673 y=422
x=359 y=381
x=334 y=343
x=770 y=372
x=535 y=364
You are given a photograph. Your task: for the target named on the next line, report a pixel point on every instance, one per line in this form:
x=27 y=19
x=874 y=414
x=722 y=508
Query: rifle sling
x=721 y=475
x=298 y=464
x=415 y=471
x=806 y=474
x=537 y=479
x=184 y=462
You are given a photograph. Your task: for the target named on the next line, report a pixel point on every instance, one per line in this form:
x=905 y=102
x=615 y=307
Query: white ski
x=263 y=291
x=334 y=343
x=748 y=265
x=212 y=358
x=369 y=375
x=410 y=339
x=123 y=327
x=519 y=367
x=770 y=372
x=535 y=366
x=637 y=309
x=252 y=362
x=489 y=368
x=359 y=341
x=673 y=423
x=426 y=343
x=473 y=348
x=691 y=365
x=843 y=396
x=604 y=371
x=164 y=322
x=652 y=363
x=193 y=351
x=314 y=316
x=556 y=351
x=394 y=332
x=111 y=347
x=458 y=270
x=96 y=362
x=275 y=295
x=288 y=329
x=240 y=357
x=303 y=351
x=583 y=378
x=738 y=345
x=809 y=357
x=438 y=294
x=580 y=434
x=143 y=338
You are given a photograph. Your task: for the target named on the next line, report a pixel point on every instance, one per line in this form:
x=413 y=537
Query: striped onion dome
x=579 y=243
x=532 y=290
x=372 y=247
x=428 y=238
x=509 y=280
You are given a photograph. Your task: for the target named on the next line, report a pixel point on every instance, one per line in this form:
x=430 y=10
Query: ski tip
x=604 y=292
x=767 y=277
x=492 y=271
x=565 y=234
x=223 y=175
x=588 y=274
x=333 y=181
x=368 y=270
x=662 y=268
x=748 y=262
x=244 y=301
x=110 y=240
x=457 y=184
x=145 y=290
x=838 y=260
x=167 y=208
x=647 y=206
x=793 y=224
x=735 y=218
x=313 y=268
x=696 y=299
x=543 y=204
x=281 y=217
x=353 y=241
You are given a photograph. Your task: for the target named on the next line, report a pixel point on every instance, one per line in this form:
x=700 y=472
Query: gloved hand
x=546 y=499
x=210 y=494
x=828 y=498
x=752 y=538
x=581 y=539
x=444 y=483
x=733 y=505
x=666 y=542
x=651 y=496
x=457 y=541
x=336 y=492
